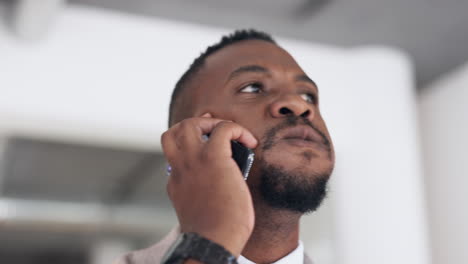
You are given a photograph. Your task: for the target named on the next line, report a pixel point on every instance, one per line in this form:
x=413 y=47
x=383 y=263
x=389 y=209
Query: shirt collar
x=295 y=257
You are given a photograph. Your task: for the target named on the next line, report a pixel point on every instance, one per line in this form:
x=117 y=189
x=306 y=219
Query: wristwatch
x=194 y=246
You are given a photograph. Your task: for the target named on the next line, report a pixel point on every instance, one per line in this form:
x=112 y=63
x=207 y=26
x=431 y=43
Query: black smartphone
x=242 y=155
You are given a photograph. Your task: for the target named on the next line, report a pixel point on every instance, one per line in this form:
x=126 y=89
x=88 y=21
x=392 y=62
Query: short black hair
x=236 y=36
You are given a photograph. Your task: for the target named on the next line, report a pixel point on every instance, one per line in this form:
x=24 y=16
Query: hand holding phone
x=243 y=156
x=205 y=186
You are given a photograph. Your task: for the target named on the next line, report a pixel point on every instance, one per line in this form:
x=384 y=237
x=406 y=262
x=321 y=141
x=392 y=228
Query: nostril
x=285 y=111
x=306 y=113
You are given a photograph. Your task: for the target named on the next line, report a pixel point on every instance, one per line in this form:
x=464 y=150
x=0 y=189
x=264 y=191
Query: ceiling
x=434 y=33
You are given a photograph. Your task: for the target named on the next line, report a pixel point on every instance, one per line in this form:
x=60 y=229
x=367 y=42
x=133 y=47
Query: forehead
x=249 y=52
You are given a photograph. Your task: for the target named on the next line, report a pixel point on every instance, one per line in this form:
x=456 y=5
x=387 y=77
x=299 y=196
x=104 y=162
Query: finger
x=224 y=132
x=169 y=146
x=200 y=125
x=187 y=135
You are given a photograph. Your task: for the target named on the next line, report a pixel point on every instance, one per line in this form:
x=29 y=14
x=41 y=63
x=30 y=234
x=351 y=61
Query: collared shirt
x=295 y=257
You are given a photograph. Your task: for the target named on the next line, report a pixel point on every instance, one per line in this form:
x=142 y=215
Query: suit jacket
x=154 y=254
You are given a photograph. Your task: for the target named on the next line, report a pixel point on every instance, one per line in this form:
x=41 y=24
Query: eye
x=252 y=88
x=310 y=98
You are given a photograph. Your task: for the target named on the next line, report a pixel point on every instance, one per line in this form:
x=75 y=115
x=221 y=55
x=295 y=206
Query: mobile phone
x=242 y=155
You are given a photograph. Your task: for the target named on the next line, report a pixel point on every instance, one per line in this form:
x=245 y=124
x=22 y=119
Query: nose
x=291 y=105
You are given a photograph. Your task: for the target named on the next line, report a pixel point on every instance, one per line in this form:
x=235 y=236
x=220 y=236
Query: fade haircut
x=197 y=64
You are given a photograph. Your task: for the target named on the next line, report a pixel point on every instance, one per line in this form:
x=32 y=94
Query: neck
x=275 y=235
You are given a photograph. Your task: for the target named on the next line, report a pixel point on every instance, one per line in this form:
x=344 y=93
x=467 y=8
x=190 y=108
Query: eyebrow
x=305 y=78
x=260 y=69
x=246 y=69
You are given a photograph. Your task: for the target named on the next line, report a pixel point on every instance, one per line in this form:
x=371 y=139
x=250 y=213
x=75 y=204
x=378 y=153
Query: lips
x=304 y=133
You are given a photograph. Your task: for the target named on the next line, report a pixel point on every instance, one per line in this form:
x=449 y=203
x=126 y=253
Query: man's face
x=260 y=86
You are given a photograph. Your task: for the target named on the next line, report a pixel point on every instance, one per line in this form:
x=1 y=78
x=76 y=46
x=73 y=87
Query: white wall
x=444 y=128
x=105 y=78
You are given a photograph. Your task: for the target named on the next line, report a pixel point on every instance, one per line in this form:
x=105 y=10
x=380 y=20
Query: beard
x=292 y=190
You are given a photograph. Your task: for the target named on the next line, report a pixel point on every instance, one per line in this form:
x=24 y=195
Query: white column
x=444 y=127
x=377 y=193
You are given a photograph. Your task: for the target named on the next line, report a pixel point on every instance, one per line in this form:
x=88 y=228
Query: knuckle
x=164 y=137
x=188 y=123
x=184 y=123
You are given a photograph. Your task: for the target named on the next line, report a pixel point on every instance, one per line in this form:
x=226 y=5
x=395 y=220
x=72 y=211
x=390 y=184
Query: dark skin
x=241 y=92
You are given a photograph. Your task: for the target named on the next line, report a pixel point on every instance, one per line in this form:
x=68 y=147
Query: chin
x=295 y=186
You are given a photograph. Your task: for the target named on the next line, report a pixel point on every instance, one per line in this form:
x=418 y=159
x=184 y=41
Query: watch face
x=171 y=249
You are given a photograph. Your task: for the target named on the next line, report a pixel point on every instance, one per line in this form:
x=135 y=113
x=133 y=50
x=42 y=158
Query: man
x=248 y=89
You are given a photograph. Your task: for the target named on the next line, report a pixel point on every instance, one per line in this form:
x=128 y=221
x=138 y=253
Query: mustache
x=292 y=121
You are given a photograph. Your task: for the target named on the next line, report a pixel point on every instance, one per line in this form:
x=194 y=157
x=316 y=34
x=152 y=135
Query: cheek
x=248 y=119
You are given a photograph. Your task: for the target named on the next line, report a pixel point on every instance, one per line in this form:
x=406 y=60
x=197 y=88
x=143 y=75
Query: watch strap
x=194 y=246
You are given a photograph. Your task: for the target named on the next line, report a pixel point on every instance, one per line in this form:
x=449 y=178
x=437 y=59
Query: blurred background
x=84 y=92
